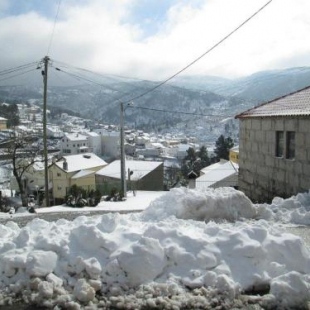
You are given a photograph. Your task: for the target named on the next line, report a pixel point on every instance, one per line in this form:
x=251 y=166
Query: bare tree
x=23 y=155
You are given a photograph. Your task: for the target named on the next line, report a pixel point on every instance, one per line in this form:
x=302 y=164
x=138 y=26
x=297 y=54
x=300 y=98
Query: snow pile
x=294 y=210
x=160 y=258
x=210 y=204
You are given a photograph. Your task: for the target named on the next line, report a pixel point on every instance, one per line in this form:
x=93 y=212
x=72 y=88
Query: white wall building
x=74 y=143
x=110 y=142
x=94 y=142
x=54 y=131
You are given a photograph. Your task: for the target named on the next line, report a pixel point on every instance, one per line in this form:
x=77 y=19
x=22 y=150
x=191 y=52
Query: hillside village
x=86 y=155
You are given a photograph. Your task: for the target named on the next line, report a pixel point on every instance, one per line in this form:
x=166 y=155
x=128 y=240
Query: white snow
x=184 y=246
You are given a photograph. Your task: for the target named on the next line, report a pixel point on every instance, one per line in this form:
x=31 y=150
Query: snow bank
x=293 y=210
x=160 y=253
x=220 y=203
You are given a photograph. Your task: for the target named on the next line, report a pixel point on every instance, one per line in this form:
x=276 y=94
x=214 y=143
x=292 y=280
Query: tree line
x=194 y=161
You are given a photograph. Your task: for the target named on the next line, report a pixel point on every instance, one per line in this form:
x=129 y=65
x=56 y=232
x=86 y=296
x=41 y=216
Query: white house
x=54 y=131
x=221 y=174
x=74 y=143
x=94 y=142
x=110 y=142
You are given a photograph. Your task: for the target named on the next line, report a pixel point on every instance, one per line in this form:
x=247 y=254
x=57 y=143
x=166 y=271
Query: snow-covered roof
x=81 y=162
x=3 y=119
x=139 y=168
x=294 y=104
x=75 y=137
x=216 y=172
x=82 y=173
x=158 y=145
x=92 y=134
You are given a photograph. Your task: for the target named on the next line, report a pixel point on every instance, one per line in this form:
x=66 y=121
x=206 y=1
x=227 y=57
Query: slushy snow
x=189 y=248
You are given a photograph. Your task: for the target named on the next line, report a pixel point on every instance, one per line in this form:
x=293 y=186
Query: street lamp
x=122 y=142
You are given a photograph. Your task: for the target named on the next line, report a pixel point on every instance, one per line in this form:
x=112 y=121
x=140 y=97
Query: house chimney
x=65 y=165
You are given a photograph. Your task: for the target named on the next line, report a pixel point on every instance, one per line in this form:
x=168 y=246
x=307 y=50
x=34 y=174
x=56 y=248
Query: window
x=58 y=174
x=279 y=143
x=290 y=145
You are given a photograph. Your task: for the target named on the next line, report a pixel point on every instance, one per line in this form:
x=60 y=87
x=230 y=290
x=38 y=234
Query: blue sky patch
x=150 y=15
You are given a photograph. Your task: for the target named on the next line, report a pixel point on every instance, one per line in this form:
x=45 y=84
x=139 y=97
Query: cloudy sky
x=153 y=39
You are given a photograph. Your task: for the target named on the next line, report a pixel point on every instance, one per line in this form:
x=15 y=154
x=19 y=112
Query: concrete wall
x=262 y=175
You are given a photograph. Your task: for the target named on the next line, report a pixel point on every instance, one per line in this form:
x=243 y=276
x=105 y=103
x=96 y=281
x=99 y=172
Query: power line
x=102 y=75
x=204 y=54
x=89 y=80
x=170 y=111
x=55 y=21
x=79 y=78
x=14 y=69
x=15 y=75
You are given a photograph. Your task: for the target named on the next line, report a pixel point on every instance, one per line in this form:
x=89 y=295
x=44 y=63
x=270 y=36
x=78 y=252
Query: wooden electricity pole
x=46 y=187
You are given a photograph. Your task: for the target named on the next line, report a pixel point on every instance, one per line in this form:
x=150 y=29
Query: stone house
x=274 y=158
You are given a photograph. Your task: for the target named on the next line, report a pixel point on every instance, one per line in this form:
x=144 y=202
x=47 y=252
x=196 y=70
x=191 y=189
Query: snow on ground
x=187 y=249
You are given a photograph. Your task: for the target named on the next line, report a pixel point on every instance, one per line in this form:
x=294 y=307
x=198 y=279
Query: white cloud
x=94 y=36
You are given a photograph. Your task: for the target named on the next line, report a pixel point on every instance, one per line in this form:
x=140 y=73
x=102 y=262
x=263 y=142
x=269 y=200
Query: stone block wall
x=262 y=175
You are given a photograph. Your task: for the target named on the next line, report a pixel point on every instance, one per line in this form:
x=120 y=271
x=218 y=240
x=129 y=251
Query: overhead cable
x=204 y=54
x=54 y=26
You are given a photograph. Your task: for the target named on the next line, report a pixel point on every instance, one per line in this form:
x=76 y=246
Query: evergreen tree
x=204 y=157
x=195 y=161
x=222 y=147
x=10 y=112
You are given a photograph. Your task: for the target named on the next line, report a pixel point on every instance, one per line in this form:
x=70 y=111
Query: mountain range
x=194 y=105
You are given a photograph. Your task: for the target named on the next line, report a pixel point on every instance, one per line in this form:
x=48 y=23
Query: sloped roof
x=293 y=104
x=139 y=168
x=82 y=173
x=216 y=172
x=81 y=162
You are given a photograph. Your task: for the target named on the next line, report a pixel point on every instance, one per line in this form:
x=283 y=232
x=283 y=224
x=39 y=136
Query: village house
x=141 y=175
x=110 y=146
x=74 y=143
x=71 y=170
x=221 y=174
x=234 y=154
x=33 y=177
x=3 y=123
x=94 y=141
x=274 y=146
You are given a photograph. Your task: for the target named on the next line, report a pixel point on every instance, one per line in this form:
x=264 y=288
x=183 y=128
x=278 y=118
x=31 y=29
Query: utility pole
x=46 y=189
x=123 y=165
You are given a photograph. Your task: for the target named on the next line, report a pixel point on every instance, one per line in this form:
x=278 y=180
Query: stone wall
x=262 y=175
